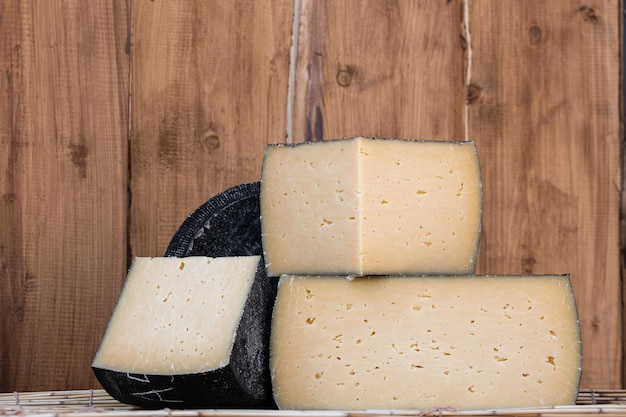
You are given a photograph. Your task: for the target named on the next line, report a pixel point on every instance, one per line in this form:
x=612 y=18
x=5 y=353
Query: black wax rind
x=228 y=224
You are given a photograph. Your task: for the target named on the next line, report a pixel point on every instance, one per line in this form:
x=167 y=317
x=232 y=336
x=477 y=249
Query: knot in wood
x=534 y=35
x=473 y=93
x=9 y=197
x=344 y=77
x=589 y=14
x=210 y=139
x=78 y=154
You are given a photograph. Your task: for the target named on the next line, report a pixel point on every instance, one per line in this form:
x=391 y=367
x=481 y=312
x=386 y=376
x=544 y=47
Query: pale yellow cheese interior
x=472 y=342
x=177 y=315
x=371 y=206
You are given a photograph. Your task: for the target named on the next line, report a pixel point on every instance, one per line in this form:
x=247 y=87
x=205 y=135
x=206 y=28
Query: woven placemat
x=92 y=403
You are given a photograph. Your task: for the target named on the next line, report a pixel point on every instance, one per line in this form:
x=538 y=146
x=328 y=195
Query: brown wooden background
x=119 y=118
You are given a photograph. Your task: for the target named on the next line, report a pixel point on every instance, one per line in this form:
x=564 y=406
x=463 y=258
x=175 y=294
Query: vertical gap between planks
x=622 y=214
x=129 y=49
x=468 y=69
x=293 y=61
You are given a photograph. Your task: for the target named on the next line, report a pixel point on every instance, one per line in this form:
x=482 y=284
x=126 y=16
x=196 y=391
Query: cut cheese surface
x=371 y=206
x=190 y=332
x=177 y=316
x=473 y=342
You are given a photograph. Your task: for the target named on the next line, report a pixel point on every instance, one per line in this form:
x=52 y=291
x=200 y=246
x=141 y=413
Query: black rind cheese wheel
x=174 y=392
x=226 y=225
x=229 y=224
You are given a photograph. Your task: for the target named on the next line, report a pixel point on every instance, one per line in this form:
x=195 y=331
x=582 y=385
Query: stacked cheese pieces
x=375 y=242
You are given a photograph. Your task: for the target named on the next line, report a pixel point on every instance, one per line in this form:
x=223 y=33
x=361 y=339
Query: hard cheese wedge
x=190 y=332
x=473 y=342
x=371 y=206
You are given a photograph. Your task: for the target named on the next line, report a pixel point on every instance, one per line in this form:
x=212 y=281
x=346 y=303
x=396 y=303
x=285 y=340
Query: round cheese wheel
x=227 y=225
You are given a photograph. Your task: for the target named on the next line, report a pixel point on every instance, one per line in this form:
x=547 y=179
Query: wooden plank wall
x=118 y=119
x=64 y=86
x=545 y=114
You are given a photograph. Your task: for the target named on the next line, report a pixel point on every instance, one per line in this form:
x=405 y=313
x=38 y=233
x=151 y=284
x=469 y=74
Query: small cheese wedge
x=371 y=206
x=466 y=342
x=190 y=332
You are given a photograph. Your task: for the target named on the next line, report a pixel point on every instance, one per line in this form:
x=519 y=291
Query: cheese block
x=466 y=342
x=371 y=206
x=190 y=332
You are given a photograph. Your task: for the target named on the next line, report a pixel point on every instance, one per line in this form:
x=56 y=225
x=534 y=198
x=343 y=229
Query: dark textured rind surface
x=229 y=224
x=226 y=225
x=250 y=357
x=175 y=391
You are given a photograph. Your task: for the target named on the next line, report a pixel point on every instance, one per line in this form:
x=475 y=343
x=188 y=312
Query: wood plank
x=390 y=69
x=63 y=134
x=210 y=84
x=545 y=114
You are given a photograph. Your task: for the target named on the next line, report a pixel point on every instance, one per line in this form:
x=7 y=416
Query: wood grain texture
x=546 y=119
x=210 y=83
x=63 y=211
x=387 y=69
